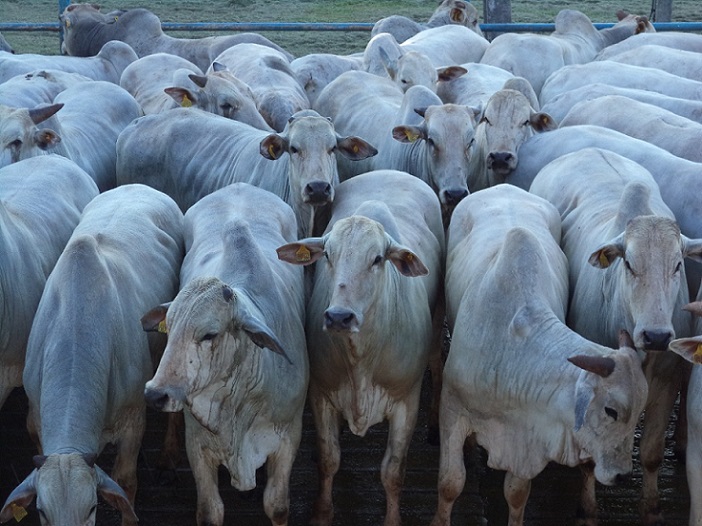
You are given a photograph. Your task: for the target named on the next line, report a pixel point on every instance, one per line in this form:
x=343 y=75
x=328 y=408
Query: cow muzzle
x=317 y=193
x=656 y=340
x=450 y=197
x=501 y=163
x=161 y=400
x=340 y=320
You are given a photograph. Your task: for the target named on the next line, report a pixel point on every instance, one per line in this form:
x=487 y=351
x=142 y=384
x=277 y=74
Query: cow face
x=610 y=395
x=20 y=138
x=66 y=488
x=508 y=120
x=210 y=330
x=649 y=261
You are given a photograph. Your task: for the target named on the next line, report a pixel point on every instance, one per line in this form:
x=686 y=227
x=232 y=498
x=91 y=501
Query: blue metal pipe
x=319 y=26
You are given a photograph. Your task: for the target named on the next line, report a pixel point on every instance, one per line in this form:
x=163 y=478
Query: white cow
x=448 y=45
x=689 y=348
x=86 y=30
x=625 y=254
x=678 y=135
x=277 y=91
x=561 y=104
x=369 y=326
x=617 y=74
x=88 y=360
x=673 y=39
x=574 y=41
x=41 y=200
x=414 y=132
x=507 y=380
x=29 y=90
x=188 y=153
x=507 y=120
x=687 y=64
x=107 y=65
x=475 y=87
x=243 y=405
x=448 y=12
x=89 y=118
x=315 y=70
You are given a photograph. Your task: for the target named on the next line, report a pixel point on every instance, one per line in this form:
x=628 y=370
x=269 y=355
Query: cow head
x=210 y=327
x=66 y=487
x=648 y=260
x=610 y=395
x=312 y=144
x=20 y=137
x=358 y=257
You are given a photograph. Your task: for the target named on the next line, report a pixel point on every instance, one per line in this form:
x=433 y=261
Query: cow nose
x=155 y=398
x=656 y=340
x=318 y=192
x=453 y=196
x=500 y=160
x=336 y=319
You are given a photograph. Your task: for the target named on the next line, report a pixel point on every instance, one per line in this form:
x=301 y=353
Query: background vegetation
x=300 y=43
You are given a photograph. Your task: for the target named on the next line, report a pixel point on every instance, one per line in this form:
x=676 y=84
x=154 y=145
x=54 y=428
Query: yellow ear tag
x=162 y=327
x=271 y=151
x=116 y=18
x=697 y=357
x=303 y=254
x=604 y=262
x=186 y=102
x=409 y=257
x=355 y=148
x=68 y=23
x=411 y=137
x=18 y=512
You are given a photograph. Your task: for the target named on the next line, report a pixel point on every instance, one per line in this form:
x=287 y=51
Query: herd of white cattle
x=216 y=227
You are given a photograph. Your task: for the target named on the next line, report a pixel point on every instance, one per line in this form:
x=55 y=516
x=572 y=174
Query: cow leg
x=326 y=421
x=436 y=368
x=169 y=458
x=276 y=499
x=124 y=471
x=210 y=508
x=663 y=378
x=516 y=493
x=681 y=425
x=452 y=469
x=693 y=456
x=392 y=470
x=587 y=513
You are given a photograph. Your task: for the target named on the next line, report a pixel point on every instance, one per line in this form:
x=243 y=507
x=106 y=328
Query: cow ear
x=199 y=80
x=261 y=335
x=688 y=348
x=450 y=73
x=114 y=495
x=456 y=15
x=406 y=261
x=542 y=122
x=355 y=148
x=273 y=146
x=303 y=252
x=184 y=97
x=603 y=256
x=407 y=134
x=46 y=139
x=600 y=365
x=692 y=248
x=155 y=319
x=694 y=307
x=19 y=499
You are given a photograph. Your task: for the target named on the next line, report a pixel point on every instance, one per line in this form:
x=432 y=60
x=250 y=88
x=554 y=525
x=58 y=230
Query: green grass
x=300 y=43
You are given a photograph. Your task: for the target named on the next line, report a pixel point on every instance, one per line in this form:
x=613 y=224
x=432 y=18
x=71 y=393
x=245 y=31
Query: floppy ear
x=542 y=122
x=692 y=248
x=408 y=134
x=155 y=319
x=273 y=146
x=114 y=495
x=355 y=148
x=688 y=348
x=46 y=138
x=261 y=335
x=184 y=97
x=606 y=254
x=406 y=261
x=19 y=499
x=303 y=252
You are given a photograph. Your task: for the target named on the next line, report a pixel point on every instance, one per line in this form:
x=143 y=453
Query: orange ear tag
x=604 y=262
x=162 y=327
x=697 y=357
x=271 y=151
x=186 y=102
x=18 y=512
x=303 y=254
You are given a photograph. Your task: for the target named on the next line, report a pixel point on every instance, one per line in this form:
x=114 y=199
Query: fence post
x=496 y=12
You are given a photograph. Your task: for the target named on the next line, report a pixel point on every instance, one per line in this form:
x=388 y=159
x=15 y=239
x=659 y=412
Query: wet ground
x=358 y=493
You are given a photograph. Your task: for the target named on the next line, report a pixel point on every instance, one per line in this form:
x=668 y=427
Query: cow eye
x=429 y=142
x=612 y=413
x=377 y=260
x=16 y=144
x=209 y=336
x=628 y=266
x=678 y=267
x=293 y=149
x=485 y=120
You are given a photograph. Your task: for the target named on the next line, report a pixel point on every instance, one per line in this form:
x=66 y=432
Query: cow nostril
x=454 y=196
x=318 y=191
x=156 y=399
x=656 y=340
x=339 y=319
